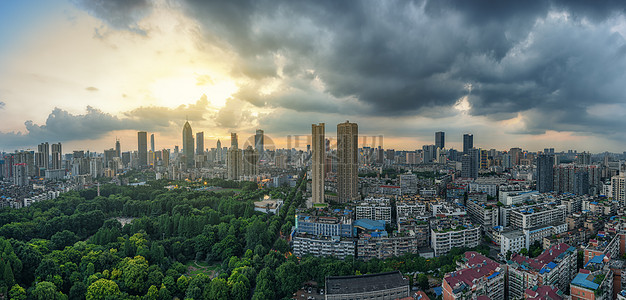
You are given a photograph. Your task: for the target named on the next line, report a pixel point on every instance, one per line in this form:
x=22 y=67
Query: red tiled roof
x=479 y=266
x=543 y=259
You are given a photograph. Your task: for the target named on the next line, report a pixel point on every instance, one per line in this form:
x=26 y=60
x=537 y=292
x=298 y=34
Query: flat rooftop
x=338 y=285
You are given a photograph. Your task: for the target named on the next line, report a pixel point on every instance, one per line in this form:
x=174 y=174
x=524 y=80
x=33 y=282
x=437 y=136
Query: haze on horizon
x=530 y=74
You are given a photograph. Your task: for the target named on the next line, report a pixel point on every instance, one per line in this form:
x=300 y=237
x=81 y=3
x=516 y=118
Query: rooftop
x=478 y=266
x=546 y=261
x=337 y=285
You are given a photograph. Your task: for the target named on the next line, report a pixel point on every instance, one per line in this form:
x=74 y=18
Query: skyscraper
x=142 y=148
x=317 y=164
x=440 y=139
x=470 y=163
x=250 y=162
x=118 y=148
x=57 y=156
x=152 y=142
x=347 y=162
x=234 y=143
x=42 y=155
x=259 y=141
x=200 y=143
x=218 y=148
x=188 y=144
x=545 y=173
x=468 y=142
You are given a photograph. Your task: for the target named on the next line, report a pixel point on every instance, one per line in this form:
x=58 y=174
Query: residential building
x=317 y=164
x=323 y=246
x=347 y=162
x=556 y=266
x=449 y=232
x=480 y=277
x=384 y=286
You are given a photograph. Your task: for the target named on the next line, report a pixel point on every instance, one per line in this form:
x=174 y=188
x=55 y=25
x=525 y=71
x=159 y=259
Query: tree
x=153 y=293
x=17 y=293
x=422 y=280
x=103 y=289
x=9 y=280
x=62 y=239
x=45 y=291
x=239 y=291
x=134 y=273
x=218 y=289
x=78 y=291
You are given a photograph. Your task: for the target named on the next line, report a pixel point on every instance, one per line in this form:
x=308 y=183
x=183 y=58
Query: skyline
x=539 y=75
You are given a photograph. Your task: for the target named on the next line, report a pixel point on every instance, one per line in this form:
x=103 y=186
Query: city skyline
x=514 y=75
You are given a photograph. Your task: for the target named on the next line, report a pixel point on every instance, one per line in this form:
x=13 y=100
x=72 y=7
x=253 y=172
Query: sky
x=529 y=74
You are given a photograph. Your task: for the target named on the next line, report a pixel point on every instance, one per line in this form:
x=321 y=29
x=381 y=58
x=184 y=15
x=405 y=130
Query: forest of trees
x=73 y=247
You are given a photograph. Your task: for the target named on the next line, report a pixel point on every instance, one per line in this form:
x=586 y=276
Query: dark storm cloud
x=119 y=14
x=549 y=60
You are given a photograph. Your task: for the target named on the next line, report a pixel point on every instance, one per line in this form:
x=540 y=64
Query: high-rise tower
x=468 y=142
x=347 y=161
x=317 y=163
x=200 y=143
x=142 y=148
x=57 y=156
x=440 y=139
x=234 y=143
x=259 y=141
x=545 y=173
x=152 y=143
x=188 y=144
x=118 y=148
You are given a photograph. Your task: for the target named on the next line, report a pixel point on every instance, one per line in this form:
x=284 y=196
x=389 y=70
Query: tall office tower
x=108 y=157
x=545 y=173
x=618 y=187
x=250 y=164
x=468 y=142
x=347 y=164
x=259 y=141
x=166 y=157
x=516 y=154
x=200 y=143
x=440 y=139
x=429 y=153
x=484 y=159
x=218 y=149
x=188 y=145
x=42 y=155
x=234 y=143
x=152 y=142
x=118 y=148
x=470 y=163
x=317 y=164
x=142 y=148
x=233 y=163
x=581 y=182
x=380 y=157
x=57 y=156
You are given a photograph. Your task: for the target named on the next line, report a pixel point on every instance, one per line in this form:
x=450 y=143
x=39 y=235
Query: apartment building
x=484 y=213
x=545 y=214
x=324 y=225
x=374 y=209
x=447 y=233
x=323 y=246
x=480 y=276
x=555 y=266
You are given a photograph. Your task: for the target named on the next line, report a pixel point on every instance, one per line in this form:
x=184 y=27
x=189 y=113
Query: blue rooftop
x=438 y=291
x=581 y=280
x=493 y=275
x=370 y=224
